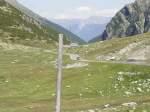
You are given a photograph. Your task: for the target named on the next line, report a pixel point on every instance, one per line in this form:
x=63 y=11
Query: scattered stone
x=120 y=78
x=134 y=82
x=144 y=111
x=89 y=75
x=128 y=93
x=38 y=86
x=107 y=105
x=31 y=107
x=53 y=94
x=131 y=110
x=91 y=110
x=68 y=86
x=80 y=94
x=86 y=88
x=6 y=9
x=74 y=57
x=139 y=89
x=130 y=105
x=120 y=73
x=6 y=81
x=148 y=90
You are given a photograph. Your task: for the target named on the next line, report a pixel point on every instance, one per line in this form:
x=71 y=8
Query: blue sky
x=73 y=9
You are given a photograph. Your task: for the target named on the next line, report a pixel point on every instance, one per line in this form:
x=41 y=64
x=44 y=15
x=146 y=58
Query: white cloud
x=84 y=8
x=81 y=12
x=64 y=16
x=107 y=12
x=84 y=12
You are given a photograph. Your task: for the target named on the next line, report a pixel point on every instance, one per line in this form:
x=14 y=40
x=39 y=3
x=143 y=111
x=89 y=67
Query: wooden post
x=59 y=75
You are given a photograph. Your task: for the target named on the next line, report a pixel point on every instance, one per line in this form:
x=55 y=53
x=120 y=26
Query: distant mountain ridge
x=131 y=20
x=86 y=29
x=72 y=37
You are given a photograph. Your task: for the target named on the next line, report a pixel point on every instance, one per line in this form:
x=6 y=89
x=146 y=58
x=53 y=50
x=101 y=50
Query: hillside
x=72 y=37
x=17 y=27
x=134 y=49
x=131 y=20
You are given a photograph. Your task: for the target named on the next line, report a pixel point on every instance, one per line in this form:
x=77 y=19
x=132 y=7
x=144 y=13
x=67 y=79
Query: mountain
x=131 y=20
x=17 y=27
x=90 y=30
x=72 y=37
x=85 y=28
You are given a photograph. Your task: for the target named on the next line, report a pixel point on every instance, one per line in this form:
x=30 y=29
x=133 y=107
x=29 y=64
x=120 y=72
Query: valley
x=28 y=79
x=112 y=75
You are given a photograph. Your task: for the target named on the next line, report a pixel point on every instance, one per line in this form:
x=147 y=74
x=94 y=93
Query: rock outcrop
x=131 y=20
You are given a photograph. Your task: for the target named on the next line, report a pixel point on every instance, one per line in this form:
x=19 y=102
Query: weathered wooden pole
x=59 y=75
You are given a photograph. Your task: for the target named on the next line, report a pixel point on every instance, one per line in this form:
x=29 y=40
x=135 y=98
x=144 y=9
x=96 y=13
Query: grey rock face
x=131 y=20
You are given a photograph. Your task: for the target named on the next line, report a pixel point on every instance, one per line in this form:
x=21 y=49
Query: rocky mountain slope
x=131 y=20
x=72 y=37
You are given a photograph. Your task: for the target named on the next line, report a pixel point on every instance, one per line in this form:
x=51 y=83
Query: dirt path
x=116 y=62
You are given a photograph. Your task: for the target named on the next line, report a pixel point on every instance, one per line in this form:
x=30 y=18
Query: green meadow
x=28 y=79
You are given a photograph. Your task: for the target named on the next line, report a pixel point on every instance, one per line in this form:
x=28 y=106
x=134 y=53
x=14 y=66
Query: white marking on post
x=59 y=75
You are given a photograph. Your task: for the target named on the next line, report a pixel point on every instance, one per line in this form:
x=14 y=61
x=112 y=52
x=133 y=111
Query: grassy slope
x=108 y=46
x=19 y=28
x=27 y=82
x=72 y=37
